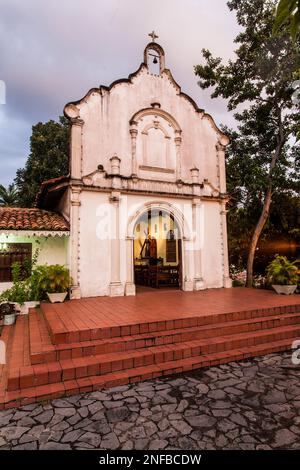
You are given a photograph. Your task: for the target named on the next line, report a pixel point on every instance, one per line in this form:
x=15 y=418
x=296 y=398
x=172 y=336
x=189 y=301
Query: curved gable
x=106 y=117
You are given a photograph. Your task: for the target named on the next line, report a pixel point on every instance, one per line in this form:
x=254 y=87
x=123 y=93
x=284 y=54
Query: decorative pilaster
x=76 y=148
x=197 y=230
x=227 y=282
x=129 y=286
x=115 y=287
x=75 y=243
x=188 y=260
x=221 y=167
x=195 y=175
x=115 y=164
x=133 y=132
x=178 y=154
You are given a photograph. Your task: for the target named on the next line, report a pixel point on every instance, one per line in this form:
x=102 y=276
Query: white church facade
x=145 y=201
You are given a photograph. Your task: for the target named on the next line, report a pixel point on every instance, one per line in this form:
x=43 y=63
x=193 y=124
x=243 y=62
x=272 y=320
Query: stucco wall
x=97 y=227
x=95 y=255
x=212 y=256
x=140 y=141
x=106 y=126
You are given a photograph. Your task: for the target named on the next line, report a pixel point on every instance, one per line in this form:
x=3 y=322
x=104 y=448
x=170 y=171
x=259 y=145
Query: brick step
x=88 y=384
x=102 y=364
x=6 y=336
x=65 y=331
x=42 y=350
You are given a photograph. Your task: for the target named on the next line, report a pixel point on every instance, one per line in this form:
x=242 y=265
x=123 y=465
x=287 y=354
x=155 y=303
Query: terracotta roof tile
x=15 y=218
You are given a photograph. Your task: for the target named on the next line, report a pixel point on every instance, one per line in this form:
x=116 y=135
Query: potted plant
x=54 y=281
x=21 y=293
x=283 y=275
x=8 y=313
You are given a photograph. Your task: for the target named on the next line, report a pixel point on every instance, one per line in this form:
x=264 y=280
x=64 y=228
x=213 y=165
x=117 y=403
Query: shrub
x=20 y=291
x=281 y=271
x=44 y=279
x=50 y=279
x=238 y=277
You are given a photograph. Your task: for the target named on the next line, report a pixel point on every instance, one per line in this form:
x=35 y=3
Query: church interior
x=157 y=250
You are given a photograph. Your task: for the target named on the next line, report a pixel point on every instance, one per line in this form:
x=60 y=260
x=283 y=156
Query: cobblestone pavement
x=253 y=404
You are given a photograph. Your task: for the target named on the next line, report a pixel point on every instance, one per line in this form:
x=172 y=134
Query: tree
x=288 y=17
x=259 y=80
x=49 y=150
x=246 y=174
x=8 y=196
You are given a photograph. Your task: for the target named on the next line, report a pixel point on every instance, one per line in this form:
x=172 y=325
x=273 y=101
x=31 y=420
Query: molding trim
x=156 y=169
x=34 y=233
x=70 y=109
x=155 y=112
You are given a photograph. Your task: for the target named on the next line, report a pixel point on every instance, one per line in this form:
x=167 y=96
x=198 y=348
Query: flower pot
x=18 y=307
x=24 y=309
x=287 y=290
x=9 y=319
x=57 y=297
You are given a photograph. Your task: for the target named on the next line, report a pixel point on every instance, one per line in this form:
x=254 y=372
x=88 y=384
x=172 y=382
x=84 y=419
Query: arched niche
x=156 y=142
x=176 y=212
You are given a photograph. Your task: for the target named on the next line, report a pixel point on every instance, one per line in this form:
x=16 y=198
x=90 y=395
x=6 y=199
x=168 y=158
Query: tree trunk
x=256 y=234
x=266 y=206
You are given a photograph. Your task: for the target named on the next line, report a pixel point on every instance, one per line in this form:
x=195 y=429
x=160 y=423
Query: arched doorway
x=157 y=250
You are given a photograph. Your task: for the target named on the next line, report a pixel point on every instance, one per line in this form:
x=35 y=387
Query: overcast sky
x=52 y=52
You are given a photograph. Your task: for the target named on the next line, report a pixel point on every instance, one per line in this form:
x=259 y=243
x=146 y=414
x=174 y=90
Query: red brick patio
x=88 y=344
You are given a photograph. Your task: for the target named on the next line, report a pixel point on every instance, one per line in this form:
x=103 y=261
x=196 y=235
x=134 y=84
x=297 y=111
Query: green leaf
x=295 y=25
x=283 y=12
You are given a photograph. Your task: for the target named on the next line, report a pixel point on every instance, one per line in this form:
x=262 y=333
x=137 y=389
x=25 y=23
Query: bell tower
x=154 y=56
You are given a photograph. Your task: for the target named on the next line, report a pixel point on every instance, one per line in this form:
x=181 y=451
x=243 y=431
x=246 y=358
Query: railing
x=155 y=276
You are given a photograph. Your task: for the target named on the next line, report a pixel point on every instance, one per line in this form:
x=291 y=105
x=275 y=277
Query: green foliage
x=43 y=279
x=50 y=279
x=263 y=66
x=258 y=84
x=246 y=180
x=239 y=233
x=281 y=271
x=30 y=282
x=237 y=283
x=288 y=17
x=8 y=196
x=49 y=158
x=30 y=263
x=20 y=291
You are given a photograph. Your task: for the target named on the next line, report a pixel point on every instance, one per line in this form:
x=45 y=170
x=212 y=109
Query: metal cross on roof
x=153 y=36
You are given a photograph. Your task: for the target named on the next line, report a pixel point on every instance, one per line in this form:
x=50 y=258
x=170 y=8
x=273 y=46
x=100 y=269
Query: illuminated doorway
x=157 y=250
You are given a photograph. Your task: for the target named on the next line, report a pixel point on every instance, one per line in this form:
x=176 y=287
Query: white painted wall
x=212 y=256
x=106 y=126
x=102 y=127
x=97 y=229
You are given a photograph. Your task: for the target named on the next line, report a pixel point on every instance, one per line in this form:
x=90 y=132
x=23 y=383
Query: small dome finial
x=153 y=36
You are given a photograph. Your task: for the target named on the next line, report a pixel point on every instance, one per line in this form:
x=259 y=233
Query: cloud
x=53 y=52
x=14 y=145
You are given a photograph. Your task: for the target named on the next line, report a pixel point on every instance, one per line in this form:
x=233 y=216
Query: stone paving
x=253 y=404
